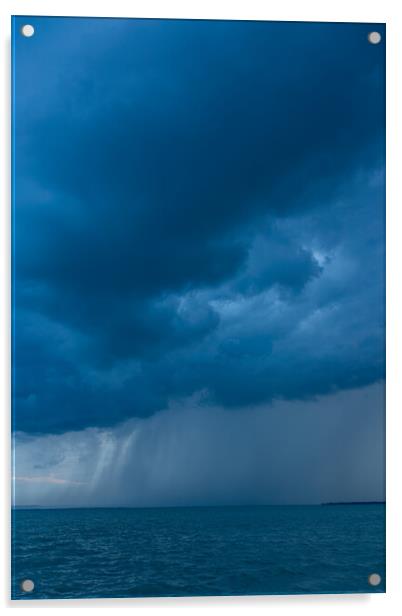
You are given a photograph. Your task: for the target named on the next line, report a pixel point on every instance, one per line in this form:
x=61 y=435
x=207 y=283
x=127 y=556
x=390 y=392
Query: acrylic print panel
x=198 y=308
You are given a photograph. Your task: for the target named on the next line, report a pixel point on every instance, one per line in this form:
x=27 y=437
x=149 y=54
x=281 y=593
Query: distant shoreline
x=355 y=503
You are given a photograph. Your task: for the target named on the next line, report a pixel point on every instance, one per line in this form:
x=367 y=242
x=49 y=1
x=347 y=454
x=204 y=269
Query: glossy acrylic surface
x=198 y=307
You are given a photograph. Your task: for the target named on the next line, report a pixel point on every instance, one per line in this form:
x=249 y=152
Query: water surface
x=76 y=553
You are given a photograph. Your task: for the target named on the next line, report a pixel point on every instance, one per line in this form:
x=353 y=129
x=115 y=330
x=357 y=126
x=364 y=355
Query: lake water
x=76 y=553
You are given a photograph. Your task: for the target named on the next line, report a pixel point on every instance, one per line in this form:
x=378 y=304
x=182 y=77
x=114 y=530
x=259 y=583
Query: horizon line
x=323 y=504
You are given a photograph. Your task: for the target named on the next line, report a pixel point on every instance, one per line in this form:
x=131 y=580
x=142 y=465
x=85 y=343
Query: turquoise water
x=72 y=553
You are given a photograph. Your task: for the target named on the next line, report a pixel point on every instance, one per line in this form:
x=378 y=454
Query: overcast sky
x=199 y=263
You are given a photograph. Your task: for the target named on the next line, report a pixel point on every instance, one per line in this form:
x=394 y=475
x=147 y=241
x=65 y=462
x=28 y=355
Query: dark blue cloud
x=199 y=207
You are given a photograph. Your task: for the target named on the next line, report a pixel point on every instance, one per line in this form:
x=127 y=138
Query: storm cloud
x=198 y=207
